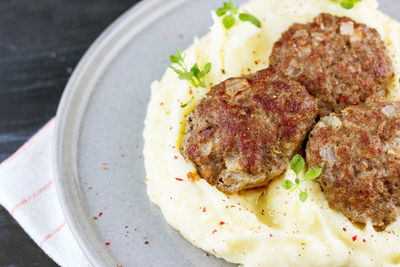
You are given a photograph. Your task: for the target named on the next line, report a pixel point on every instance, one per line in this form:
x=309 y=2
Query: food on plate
x=339 y=61
x=230 y=13
x=289 y=221
x=359 y=151
x=245 y=130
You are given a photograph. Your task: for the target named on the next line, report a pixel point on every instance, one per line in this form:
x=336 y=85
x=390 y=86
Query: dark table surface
x=41 y=41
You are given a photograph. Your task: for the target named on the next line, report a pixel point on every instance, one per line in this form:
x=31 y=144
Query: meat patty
x=245 y=130
x=339 y=61
x=359 y=152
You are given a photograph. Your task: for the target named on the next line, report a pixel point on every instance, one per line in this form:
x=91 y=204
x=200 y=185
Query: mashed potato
x=270 y=226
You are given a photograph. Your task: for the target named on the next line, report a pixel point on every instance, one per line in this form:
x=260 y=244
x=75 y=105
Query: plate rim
x=97 y=255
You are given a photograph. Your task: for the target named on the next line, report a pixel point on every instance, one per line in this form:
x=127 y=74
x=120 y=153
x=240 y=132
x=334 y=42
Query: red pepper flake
x=364 y=240
x=104 y=164
x=321 y=73
x=204 y=209
x=354 y=238
x=316 y=52
x=324 y=141
x=135 y=229
x=270 y=235
x=178 y=179
x=363 y=82
x=232 y=206
x=221 y=223
x=380 y=150
x=101 y=213
x=175 y=157
x=107 y=244
x=214 y=251
x=162 y=103
x=256 y=62
x=215 y=230
x=390 y=136
x=349 y=252
x=344 y=229
x=190 y=91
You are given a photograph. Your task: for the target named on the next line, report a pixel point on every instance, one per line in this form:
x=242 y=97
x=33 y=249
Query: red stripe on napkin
x=55 y=231
x=29 y=198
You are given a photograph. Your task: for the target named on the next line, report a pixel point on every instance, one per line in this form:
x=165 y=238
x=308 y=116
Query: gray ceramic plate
x=98 y=153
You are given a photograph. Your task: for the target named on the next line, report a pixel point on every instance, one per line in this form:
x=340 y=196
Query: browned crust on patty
x=360 y=158
x=338 y=69
x=245 y=130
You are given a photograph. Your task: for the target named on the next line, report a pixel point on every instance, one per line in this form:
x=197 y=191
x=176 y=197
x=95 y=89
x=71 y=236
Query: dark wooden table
x=41 y=41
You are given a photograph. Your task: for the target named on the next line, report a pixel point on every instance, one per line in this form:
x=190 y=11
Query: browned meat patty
x=359 y=152
x=245 y=130
x=339 y=61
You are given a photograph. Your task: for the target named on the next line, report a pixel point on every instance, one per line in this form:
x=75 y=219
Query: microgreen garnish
x=187 y=103
x=195 y=76
x=347 y=4
x=230 y=12
x=297 y=165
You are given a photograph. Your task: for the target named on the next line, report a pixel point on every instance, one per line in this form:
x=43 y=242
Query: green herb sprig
x=347 y=4
x=229 y=11
x=297 y=165
x=195 y=76
x=187 y=103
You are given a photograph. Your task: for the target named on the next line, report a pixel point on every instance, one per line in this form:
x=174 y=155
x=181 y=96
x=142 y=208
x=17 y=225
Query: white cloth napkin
x=27 y=191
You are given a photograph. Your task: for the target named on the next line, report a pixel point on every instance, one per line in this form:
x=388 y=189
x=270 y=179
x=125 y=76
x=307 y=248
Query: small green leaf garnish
x=303 y=196
x=228 y=21
x=312 y=174
x=287 y=184
x=221 y=11
x=195 y=76
x=347 y=4
x=297 y=165
x=230 y=11
x=250 y=18
x=187 y=103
